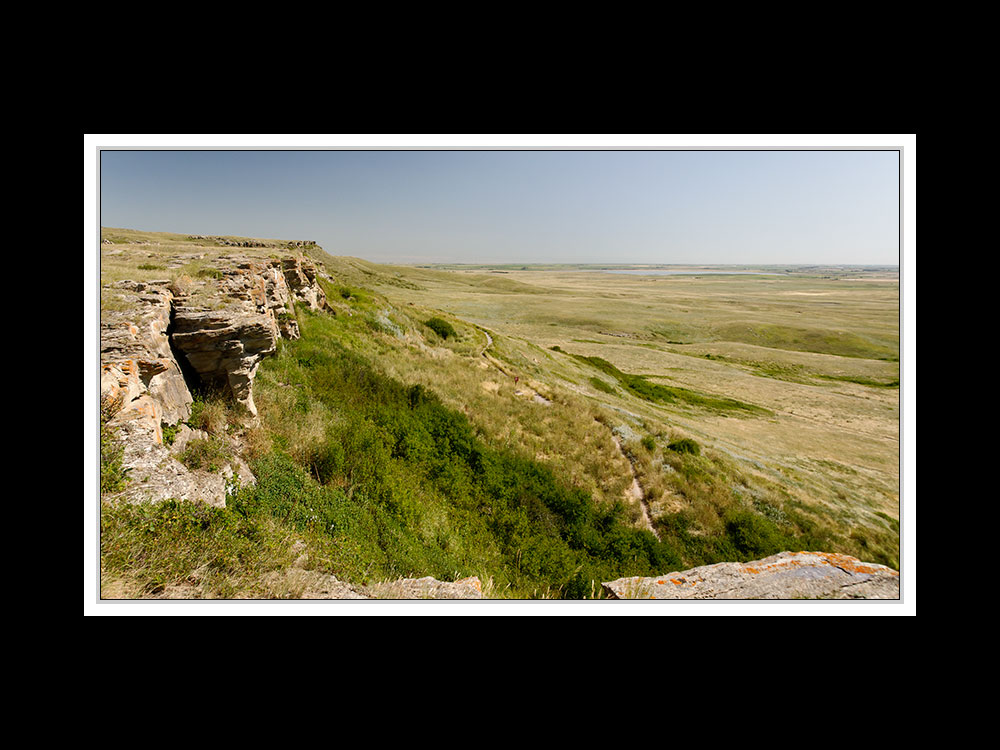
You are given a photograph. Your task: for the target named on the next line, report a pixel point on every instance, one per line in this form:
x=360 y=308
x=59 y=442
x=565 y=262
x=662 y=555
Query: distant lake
x=667 y=272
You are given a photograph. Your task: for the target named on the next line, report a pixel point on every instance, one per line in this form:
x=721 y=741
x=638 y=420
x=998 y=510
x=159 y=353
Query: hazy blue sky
x=524 y=206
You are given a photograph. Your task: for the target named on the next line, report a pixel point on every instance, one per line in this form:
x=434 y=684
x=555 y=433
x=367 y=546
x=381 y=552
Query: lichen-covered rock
x=787 y=575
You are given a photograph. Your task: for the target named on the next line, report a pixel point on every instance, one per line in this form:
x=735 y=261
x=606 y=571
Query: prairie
x=813 y=351
x=544 y=427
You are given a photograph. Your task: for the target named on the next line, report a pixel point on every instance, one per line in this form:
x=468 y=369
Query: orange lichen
x=472 y=581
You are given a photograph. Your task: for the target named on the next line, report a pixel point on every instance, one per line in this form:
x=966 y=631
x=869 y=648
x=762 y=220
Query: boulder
x=787 y=575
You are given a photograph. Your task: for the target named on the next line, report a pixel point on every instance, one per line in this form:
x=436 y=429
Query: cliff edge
x=162 y=338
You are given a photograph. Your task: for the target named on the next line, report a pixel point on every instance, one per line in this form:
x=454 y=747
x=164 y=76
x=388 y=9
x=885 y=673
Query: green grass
x=394 y=484
x=639 y=386
x=870 y=382
x=209 y=454
x=820 y=341
x=226 y=552
x=602 y=385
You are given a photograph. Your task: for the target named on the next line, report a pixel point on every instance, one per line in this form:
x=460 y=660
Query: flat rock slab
x=303 y=584
x=427 y=588
x=787 y=575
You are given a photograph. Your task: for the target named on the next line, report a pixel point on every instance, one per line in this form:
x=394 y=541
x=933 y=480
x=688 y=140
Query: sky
x=498 y=206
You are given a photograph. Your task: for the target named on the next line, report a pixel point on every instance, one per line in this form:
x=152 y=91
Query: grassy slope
x=812 y=423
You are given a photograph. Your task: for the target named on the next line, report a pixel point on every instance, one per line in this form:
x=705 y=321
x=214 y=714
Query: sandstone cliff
x=161 y=338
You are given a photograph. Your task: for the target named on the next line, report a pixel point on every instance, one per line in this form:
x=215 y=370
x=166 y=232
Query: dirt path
x=635 y=491
x=521 y=389
x=489 y=341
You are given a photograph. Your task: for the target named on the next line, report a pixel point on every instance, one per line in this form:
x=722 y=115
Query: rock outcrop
x=244 y=242
x=138 y=368
x=225 y=348
x=787 y=575
x=163 y=337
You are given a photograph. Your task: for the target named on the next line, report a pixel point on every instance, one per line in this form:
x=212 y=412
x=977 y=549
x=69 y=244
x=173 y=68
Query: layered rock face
x=787 y=575
x=226 y=346
x=215 y=331
x=138 y=368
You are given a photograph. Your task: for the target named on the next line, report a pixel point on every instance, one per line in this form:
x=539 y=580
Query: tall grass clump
x=113 y=473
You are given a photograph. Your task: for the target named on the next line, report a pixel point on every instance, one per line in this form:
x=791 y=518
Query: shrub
x=441 y=327
x=753 y=535
x=327 y=461
x=685 y=445
x=169 y=432
x=648 y=443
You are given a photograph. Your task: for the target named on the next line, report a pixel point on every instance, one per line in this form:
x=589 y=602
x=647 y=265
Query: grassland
x=464 y=422
x=790 y=380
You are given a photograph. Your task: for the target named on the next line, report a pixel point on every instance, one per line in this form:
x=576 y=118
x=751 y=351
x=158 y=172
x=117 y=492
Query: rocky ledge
x=787 y=575
x=161 y=338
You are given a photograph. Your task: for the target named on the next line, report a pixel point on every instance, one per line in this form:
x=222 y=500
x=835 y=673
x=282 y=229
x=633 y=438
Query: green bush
x=441 y=327
x=169 y=432
x=648 y=443
x=753 y=535
x=685 y=445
